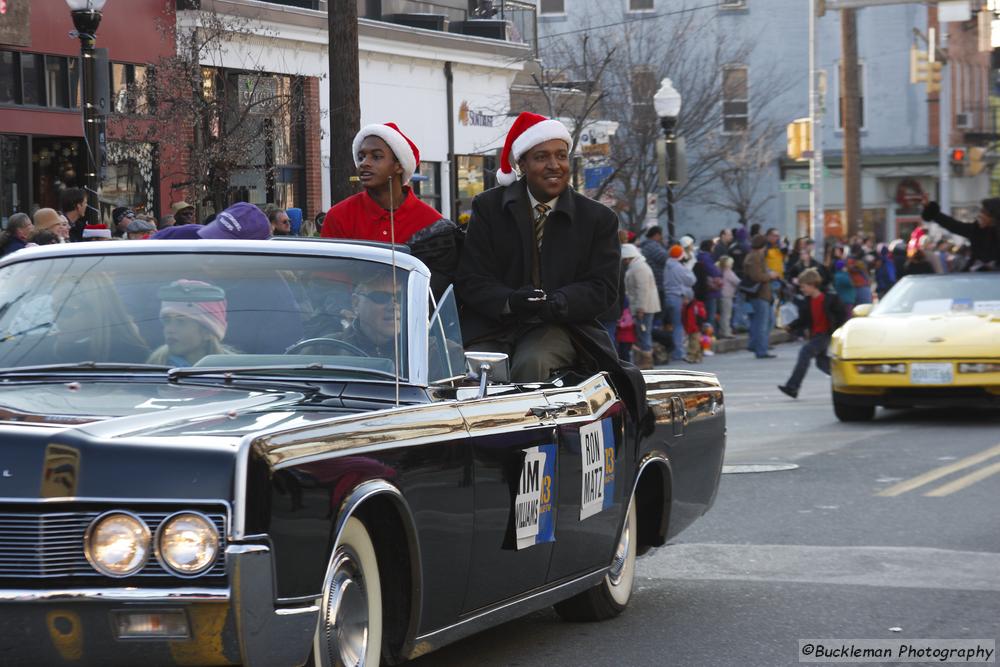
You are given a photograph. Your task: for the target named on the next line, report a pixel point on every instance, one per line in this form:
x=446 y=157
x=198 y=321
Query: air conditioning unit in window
x=963 y=120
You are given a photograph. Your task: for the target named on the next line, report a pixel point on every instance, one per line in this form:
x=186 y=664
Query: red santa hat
x=405 y=150
x=96 y=232
x=528 y=131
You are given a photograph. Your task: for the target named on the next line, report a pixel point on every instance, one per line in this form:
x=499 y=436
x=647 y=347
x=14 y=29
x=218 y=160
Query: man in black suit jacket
x=540 y=264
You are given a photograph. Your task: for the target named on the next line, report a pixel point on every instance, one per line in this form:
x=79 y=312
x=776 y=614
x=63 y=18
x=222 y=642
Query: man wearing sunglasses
x=375 y=322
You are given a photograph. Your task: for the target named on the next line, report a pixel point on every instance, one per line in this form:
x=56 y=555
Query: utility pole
x=850 y=113
x=345 y=94
x=816 y=109
x=944 y=118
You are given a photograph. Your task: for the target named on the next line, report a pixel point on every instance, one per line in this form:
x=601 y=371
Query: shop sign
x=15 y=22
x=595 y=142
x=468 y=116
x=258 y=93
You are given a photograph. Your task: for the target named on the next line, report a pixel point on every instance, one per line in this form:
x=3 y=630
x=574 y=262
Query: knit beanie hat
x=405 y=150
x=196 y=300
x=676 y=251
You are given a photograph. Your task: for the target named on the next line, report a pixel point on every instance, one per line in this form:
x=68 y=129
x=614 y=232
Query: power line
x=641 y=17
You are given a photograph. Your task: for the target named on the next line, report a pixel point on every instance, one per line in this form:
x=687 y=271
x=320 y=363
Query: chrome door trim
x=504 y=612
x=123 y=594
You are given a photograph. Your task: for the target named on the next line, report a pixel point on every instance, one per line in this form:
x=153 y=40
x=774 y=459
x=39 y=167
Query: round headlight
x=117 y=544
x=187 y=543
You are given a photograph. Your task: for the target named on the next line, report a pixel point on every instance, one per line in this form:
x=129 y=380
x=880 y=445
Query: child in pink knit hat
x=193 y=314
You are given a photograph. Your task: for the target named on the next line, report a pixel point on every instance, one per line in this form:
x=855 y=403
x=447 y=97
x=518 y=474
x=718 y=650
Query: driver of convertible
x=193 y=314
x=374 y=325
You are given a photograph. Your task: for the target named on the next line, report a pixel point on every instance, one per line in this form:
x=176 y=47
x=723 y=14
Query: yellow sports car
x=934 y=340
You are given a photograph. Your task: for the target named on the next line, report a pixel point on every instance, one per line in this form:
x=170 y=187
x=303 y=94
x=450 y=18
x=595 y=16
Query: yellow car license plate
x=932 y=373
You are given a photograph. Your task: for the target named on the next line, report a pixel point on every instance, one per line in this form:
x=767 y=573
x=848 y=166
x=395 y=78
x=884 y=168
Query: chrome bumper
x=265 y=634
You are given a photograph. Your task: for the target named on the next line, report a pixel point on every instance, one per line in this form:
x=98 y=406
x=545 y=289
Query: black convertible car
x=277 y=453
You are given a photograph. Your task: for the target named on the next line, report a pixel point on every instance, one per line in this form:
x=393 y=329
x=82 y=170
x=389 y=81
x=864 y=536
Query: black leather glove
x=556 y=308
x=931 y=210
x=526 y=301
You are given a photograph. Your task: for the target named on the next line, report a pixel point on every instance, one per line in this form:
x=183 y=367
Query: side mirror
x=488 y=367
x=862 y=310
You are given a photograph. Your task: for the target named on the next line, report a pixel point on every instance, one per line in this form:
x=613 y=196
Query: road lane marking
x=938 y=473
x=964 y=481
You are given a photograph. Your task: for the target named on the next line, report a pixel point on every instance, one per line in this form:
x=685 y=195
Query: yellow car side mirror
x=862 y=310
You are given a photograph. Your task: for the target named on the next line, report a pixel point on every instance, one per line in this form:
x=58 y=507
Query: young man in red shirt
x=386 y=160
x=819 y=316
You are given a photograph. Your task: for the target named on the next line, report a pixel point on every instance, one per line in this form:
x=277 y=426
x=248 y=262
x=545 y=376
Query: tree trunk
x=345 y=97
x=851 y=114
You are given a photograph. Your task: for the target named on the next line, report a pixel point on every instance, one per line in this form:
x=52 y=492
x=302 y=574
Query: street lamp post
x=86 y=17
x=667 y=102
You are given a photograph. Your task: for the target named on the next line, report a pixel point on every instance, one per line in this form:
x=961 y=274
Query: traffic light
x=922 y=71
x=959 y=160
x=799 y=139
x=977 y=160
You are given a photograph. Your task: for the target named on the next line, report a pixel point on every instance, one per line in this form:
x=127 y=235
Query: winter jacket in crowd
x=755 y=268
x=678 y=280
x=640 y=287
x=656 y=256
x=833 y=308
x=708 y=277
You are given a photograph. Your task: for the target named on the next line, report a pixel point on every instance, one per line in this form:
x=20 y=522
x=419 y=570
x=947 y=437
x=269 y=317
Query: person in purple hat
x=239 y=221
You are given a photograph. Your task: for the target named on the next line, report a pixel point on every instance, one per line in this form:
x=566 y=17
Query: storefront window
x=56 y=163
x=13 y=171
x=427 y=184
x=129 y=178
x=475 y=174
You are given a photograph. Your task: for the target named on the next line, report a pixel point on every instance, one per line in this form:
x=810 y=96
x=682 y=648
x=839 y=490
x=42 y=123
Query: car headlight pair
x=869 y=369
x=118 y=544
x=979 y=368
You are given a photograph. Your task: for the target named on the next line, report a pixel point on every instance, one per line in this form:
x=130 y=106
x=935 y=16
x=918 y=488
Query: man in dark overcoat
x=540 y=264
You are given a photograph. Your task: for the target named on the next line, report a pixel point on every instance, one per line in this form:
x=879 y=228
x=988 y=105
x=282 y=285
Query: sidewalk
x=740 y=341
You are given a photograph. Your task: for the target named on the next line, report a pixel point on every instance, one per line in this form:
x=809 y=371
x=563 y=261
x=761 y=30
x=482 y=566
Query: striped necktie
x=542 y=212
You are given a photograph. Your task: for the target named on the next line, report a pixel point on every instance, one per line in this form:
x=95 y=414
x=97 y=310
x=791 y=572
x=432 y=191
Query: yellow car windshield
x=960 y=293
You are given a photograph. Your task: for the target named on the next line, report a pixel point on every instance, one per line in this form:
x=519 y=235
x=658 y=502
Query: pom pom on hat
x=96 y=232
x=405 y=150
x=629 y=251
x=528 y=131
x=676 y=251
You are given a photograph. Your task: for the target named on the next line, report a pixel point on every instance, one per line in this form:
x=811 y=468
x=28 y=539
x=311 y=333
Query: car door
x=591 y=487
x=514 y=470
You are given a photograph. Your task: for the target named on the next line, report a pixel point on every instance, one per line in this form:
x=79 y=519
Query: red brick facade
x=314 y=167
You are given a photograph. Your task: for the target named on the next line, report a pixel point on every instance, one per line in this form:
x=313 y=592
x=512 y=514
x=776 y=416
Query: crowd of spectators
x=681 y=296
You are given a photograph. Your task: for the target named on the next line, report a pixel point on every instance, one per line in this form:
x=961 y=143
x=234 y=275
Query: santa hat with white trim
x=96 y=232
x=528 y=131
x=405 y=150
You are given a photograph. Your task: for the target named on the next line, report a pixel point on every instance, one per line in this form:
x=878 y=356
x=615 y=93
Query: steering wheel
x=343 y=344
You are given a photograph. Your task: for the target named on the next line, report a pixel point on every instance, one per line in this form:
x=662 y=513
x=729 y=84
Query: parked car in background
x=273 y=453
x=933 y=340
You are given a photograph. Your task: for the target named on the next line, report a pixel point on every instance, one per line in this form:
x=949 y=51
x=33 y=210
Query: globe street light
x=86 y=17
x=667 y=102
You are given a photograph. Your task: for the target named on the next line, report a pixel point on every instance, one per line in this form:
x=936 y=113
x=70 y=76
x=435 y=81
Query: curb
x=740 y=341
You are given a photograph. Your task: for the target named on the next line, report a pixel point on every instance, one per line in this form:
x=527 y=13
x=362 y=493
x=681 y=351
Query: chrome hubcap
x=347 y=613
x=621 y=555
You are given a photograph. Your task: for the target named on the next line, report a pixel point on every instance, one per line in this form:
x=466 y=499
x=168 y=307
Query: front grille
x=45 y=545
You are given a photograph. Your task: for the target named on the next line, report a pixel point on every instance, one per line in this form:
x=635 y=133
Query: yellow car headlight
x=869 y=369
x=117 y=544
x=979 y=368
x=187 y=543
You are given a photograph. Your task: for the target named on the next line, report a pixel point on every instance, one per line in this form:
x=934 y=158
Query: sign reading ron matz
x=15 y=23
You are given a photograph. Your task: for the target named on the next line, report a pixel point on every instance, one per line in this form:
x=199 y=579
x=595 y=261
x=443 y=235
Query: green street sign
x=788 y=186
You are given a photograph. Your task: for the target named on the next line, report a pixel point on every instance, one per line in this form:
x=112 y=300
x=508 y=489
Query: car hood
x=918 y=336
x=133 y=439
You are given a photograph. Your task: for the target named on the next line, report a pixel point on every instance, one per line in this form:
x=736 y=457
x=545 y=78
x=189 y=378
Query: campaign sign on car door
x=533 y=520
x=597 y=481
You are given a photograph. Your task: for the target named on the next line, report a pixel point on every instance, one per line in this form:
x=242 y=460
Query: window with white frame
x=735 y=98
x=551 y=7
x=640 y=5
x=862 y=75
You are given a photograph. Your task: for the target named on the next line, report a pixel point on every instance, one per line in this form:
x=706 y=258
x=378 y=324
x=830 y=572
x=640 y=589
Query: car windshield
x=960 y=293
x=218 y=310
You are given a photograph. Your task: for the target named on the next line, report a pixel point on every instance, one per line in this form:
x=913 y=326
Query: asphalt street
x=884 y=530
